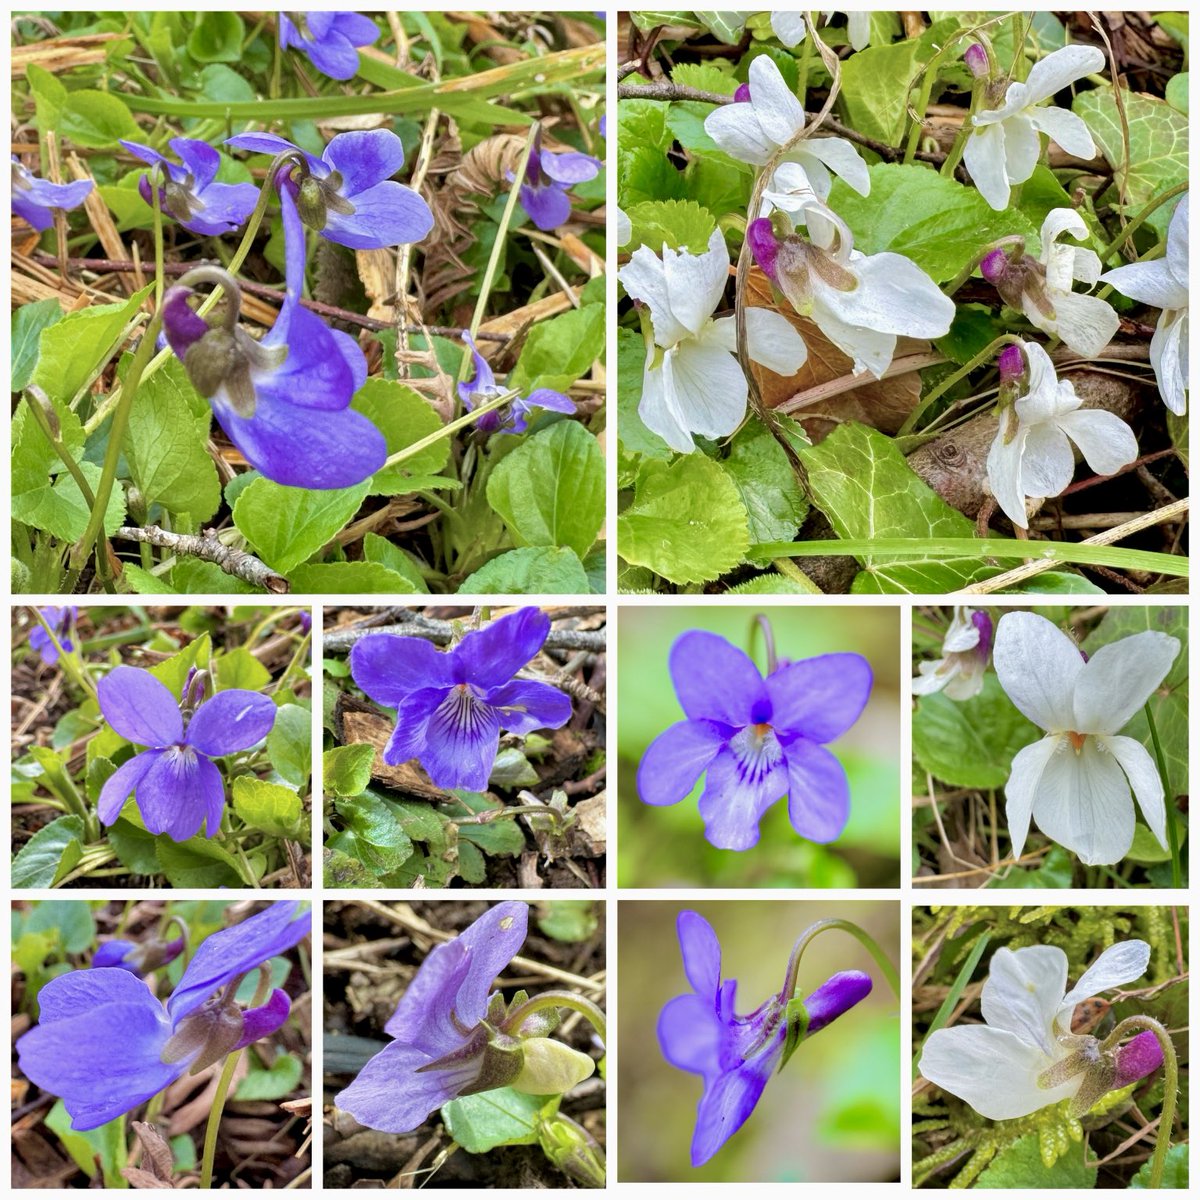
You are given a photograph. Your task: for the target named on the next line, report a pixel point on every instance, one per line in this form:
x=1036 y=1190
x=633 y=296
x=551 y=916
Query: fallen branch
x=209 y=548
x=440 y=632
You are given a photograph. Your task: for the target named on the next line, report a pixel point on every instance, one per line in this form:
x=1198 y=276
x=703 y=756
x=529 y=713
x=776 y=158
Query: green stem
x=869 y=943
x=116 y=440
x=452 y=427
x=554 y=999
x=964 y=132
x=761 y=624
x=1140 y=220
x=41 y=416
x=988 y=352
x=1168 y=794
x=1079 y=553
x=155 y=174
x=1162 y=1143
x=218 y=1104
x=493 y=263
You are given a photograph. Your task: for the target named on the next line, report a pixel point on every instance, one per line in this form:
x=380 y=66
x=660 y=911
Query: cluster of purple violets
x=105 y=1043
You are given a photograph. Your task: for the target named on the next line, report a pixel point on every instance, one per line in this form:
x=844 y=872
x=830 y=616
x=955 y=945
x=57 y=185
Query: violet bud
x=994 y=266
x=1011 y=363
x=983 y=623
x=977 y=60
x=742 y=95
x=1137 y=1058
x=761 y=236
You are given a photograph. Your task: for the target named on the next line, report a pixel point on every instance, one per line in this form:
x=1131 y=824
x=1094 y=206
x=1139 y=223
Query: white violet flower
x=1075 y=781
x=1163 y=283
x=765 y=115
x=1004 y=145
x=965 y=649
x=1041 y=288
x=692 y=382
x=860 y=302
x=1032 y=453
x=1025 y=1056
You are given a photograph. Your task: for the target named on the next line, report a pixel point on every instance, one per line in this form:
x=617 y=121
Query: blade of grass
x=955 y=993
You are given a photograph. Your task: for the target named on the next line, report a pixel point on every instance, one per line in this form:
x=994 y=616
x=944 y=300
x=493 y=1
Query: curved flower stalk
x=190 y=193
x=735 y=1055
x=175 y=783
x=757 y=739
x=1042 y=288
x=284 y=401
x=965 y=650
x=860 y=302
x=1004 y=145
x=692 y=383
x=105 y=1043
x=1032 y=455
x=765 y=116
x=1025 y=1056
x=34 y=199
x=1163 y=283
x=348 y=195
x=514 y=418
x=451 y=705
x=329 y=40
x=455 y=1037
x=547 y=179
x=62 y=621
x=791 y=28
x=1076 y=781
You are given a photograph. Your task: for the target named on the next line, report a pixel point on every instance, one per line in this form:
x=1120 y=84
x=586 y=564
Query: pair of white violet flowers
x=1079 y=781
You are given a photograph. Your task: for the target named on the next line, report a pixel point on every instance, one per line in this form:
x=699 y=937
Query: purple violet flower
x=138 y=957
x=513 y=418
x=33 y=198
x=189 y=192
x=547 y=177
x=105 y=1043
x=62 y=621
x=284 y=401
x=450 y=706
x=437 y=1053
x=329 y=39
x=757 y=739
x=175 y=783
x=348 y=194
x=700 y=1032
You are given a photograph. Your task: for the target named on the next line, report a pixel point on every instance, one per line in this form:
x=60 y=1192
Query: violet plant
x=454 y=1036
x=193 y=772
x=359 y=388
x=106 y=1044
x=451 y=705
x=52 y=636
x=881 y=236
x=735 y=1055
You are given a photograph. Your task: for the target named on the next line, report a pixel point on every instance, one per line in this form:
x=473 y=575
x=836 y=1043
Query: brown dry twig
x=209 y=548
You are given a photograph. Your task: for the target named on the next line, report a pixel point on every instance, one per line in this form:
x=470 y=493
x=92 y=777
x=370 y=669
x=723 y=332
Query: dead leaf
x=882 y=404
x=356 y=724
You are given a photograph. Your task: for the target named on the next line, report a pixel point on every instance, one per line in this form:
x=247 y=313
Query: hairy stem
x=1172 y=829
x=554 y=999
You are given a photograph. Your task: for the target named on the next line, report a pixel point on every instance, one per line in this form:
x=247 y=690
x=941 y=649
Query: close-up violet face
x=451 y=705
x=756 y=739
x=104 y=1043
x=548 y=178
x=177 y=786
